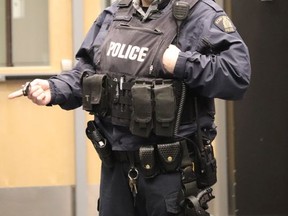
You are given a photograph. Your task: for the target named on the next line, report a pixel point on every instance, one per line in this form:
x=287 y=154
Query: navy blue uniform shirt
x=214 y=62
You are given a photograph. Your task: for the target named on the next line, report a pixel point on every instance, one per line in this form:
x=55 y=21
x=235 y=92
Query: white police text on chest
x=125 y=51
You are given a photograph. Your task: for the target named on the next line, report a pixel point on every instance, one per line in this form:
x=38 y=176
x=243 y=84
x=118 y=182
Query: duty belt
x=125 y=156
x=170 y=157
x=153 y=159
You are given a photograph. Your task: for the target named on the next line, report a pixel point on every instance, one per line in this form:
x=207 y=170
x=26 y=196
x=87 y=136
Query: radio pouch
x=165 y=109
x=94 y=97
x=206 y=171
x=141 y=118
x=205 y=166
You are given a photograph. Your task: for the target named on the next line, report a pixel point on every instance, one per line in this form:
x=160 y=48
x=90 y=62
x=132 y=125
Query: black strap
x=192 y=199
x=188 y=175
x=126 y=156
x=180 y=10
x=199 y=132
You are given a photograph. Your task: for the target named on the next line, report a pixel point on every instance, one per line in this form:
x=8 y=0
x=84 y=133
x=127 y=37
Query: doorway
x=259 y=140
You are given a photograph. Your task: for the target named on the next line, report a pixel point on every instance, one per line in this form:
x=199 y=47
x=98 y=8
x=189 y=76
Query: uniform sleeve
x=214 y=61
x=66 y=87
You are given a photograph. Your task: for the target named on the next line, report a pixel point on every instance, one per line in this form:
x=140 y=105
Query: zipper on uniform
x=126 y=26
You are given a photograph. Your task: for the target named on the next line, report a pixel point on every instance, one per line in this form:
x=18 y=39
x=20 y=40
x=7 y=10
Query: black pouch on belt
x=165 y=109
x=148 y=164
x=95 y=94
x=100 y=144
x=141 y=118
x=206 y=168
x=170 y=156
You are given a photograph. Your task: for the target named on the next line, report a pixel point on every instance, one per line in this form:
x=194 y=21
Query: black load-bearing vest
x=133 y=47
x=130 y=84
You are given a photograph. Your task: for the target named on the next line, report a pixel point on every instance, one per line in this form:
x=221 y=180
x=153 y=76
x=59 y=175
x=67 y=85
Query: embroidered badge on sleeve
x=225 y=24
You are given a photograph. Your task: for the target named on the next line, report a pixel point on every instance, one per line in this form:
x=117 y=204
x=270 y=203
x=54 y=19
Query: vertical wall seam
x=81 y=194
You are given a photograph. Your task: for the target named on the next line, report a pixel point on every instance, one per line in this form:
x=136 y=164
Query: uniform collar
x=154 y=7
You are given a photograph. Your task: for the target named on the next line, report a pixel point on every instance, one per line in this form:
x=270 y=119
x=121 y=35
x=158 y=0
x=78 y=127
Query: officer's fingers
x=15 y=94
x=170 y=57
x=34 y=91
x=47 y=99
x=37 y=93
x=173 y=48
x=40 y=82
x=35 y=82
x=171 y=51
x=43 y=98
x=37 y=97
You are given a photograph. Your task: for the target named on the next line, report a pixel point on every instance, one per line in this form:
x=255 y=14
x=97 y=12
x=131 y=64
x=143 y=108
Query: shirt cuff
x=179 y=70
x=56 y=96
x=53 y=95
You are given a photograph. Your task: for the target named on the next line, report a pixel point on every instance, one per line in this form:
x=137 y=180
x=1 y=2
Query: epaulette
x=124 y=3
x=213 y=4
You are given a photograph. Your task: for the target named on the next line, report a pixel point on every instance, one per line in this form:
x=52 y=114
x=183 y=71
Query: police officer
x=149 y=71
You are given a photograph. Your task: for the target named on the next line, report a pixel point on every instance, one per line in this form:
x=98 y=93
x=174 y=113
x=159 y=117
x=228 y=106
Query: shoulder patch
x=224 y=23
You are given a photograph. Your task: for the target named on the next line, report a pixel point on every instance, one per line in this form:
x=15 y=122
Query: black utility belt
x=173 y=157
x=143 y=105
x=153 y=159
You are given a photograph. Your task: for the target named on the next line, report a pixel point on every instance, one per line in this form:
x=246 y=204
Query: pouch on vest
x=170 y=156
x=141 y=118
x=94 y=96
x=165 y=109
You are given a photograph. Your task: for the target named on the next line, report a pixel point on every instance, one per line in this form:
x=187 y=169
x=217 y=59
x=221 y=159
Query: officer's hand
x=38 y=92
x=170 y=57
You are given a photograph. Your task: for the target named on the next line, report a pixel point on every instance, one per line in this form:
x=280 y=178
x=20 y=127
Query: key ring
x=25 y=88
x=133 y=173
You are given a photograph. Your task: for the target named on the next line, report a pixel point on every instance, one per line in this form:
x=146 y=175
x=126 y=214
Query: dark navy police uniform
x=127 y=42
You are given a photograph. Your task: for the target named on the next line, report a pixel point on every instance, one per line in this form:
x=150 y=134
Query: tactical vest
x=134 y=48
x=130 y=84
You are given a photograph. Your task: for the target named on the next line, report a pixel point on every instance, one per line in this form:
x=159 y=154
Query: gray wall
x=36 y=201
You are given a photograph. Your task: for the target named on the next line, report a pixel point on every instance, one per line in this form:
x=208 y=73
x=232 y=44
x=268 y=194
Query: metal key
x=133 y=176
x=21 y=92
